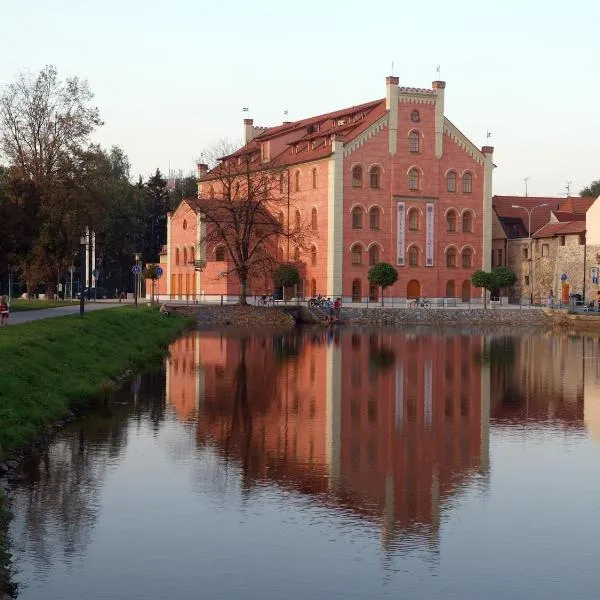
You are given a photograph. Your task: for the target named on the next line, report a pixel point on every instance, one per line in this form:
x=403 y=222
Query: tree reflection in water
x=57 y=503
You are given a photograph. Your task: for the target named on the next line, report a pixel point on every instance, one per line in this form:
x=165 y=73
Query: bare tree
x=245 y=204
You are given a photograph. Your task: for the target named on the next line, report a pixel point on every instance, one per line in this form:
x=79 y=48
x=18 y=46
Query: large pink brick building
x=387 y=181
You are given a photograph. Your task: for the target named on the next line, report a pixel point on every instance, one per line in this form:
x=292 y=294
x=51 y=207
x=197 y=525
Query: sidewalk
x=48 y=313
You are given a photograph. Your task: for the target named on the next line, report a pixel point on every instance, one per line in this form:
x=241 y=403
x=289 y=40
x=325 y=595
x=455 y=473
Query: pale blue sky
x=171 y=78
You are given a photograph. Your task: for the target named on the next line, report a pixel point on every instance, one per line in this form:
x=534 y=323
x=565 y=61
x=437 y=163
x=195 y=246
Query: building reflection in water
x=387 y=426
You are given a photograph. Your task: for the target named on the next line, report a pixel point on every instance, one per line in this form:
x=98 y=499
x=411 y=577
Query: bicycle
x=265 y=301
x=420 y=303
x=316 y=302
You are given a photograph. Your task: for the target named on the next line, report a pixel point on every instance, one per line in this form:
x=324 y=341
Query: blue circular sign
x=563 y=277
x=159 y=271
x=136 y=269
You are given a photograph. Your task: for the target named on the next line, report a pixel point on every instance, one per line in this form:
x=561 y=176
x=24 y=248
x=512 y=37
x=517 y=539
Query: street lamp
x=529 y=211
x=82 y=246
x=136 y=279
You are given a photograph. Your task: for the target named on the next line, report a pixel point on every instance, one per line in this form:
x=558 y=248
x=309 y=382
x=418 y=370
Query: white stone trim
x=361 y=244
x=358 y=205
x=487 y=213
x=465 y=171
x=335 y=220
x=376 y=205
x=456 y=210
x=470 y=247
x=169 y=227
x=463 y=142
x=375 y=243
x=417 y=168
x=451 y=245
x=366 y=135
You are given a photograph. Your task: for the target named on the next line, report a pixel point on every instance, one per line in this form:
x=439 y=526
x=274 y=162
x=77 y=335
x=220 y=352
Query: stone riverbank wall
x=433 y=316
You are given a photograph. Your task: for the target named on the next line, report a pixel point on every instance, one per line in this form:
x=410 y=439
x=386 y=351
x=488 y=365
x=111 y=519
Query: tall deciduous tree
x=382 y=274
x=243 y=205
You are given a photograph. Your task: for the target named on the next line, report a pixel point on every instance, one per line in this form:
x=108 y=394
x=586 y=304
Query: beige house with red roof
x=556 y=256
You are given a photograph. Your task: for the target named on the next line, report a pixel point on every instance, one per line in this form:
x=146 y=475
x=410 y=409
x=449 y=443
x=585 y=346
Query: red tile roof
x=563 y=217
x=576 y=204
x=554 y=229
x=539 y=217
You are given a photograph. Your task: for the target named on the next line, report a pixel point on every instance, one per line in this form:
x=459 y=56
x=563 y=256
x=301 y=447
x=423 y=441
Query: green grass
x=19 y=304
x=47 y=366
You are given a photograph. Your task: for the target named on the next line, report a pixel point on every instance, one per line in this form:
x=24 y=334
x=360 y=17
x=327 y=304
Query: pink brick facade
x=390 y=181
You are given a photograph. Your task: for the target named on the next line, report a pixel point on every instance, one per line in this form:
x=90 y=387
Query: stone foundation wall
x=401 y=316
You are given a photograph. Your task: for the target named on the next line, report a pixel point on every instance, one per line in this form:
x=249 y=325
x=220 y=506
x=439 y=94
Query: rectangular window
x=526 y=279
x=582 y=239
x=562 y=240
x=499 y=257
x=545 y=249
x=525 y=253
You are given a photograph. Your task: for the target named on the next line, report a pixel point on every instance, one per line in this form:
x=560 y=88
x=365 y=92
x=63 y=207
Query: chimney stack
x=391 y=104
x=202 y=169
x=439 y=86
x=391 y=91
x=248 y=130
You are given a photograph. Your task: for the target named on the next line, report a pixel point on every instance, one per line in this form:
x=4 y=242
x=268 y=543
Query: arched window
x=184 y=224
x=414 y=179
x=375 y=177
x=315 y=179
x=297 y=181
x=467 y=222
x=413 y=256
x=313 y=287
x=466 y=290
x=374 y=217
x=192 y=253
x=450 y=289
x=414 y=142
x=373 y=292
x=357 y=176
x=313 y=256
x=413 y=219
x=177 y=256
x=467 y=182
x=313 y=219
x=220 y=253
x=357 y=216
x=280 y=254
x=467 y=258
x=357 y=254
x=374 y=255
x=451 y=221
x=356 y=290
x=451 y=258
x=185 y=261
x=281 y=219
x=296 y=254
x=451 y=181
x=297 y=220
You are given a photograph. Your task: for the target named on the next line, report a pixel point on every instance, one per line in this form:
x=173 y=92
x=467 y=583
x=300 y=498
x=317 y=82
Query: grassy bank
x=20 y=305
x=48 y=366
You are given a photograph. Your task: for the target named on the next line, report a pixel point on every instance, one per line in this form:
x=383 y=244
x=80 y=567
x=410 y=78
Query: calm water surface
x=362 y=465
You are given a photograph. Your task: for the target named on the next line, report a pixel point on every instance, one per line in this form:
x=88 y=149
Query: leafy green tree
x=157 y=198
x=286 y=275
x=483 y=279
x=383 y=275
x=591 y=190
x=151 y=272
x=503 y=277
x=187 y=187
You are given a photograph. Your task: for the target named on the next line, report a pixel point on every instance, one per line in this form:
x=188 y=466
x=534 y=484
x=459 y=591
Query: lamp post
x=529 y=212
x=82 y=245
x=135 y=279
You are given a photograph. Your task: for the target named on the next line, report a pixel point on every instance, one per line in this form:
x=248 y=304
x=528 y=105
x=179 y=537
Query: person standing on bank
x=337 y=308
x=550 y=299
x=4 y=311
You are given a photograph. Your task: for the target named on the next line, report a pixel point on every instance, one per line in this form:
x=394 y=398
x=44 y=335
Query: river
x=353 y=465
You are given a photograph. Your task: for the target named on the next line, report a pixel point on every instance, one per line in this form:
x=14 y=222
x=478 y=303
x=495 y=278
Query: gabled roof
x=539 y=217
x=563 y=217
x=554 y=229
x=577 y=204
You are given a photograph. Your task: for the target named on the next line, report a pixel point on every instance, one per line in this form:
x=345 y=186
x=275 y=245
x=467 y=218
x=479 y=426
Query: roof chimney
x=439 y=86
x=202 y=169
x=248 y=130
x=487 y=150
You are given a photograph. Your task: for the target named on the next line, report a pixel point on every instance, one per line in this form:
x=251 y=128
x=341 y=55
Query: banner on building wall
x=429 y=235
x=400 y=225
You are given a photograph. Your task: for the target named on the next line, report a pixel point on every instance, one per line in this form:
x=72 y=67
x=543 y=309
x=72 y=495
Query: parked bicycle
x=265 y=300
x=420 y=303
x=317 y=302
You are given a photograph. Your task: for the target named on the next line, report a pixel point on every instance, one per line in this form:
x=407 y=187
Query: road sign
x=159 y=271
x=136 y=269
x=563 y=277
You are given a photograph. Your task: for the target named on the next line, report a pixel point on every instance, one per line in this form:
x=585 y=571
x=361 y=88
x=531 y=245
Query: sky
x=171 y=79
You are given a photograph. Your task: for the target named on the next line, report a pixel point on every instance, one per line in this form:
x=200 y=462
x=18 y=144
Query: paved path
x=47 y=313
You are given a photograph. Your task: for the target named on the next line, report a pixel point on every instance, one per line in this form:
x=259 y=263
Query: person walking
x=4 y=311
x=337 y=308
x=550 y=299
